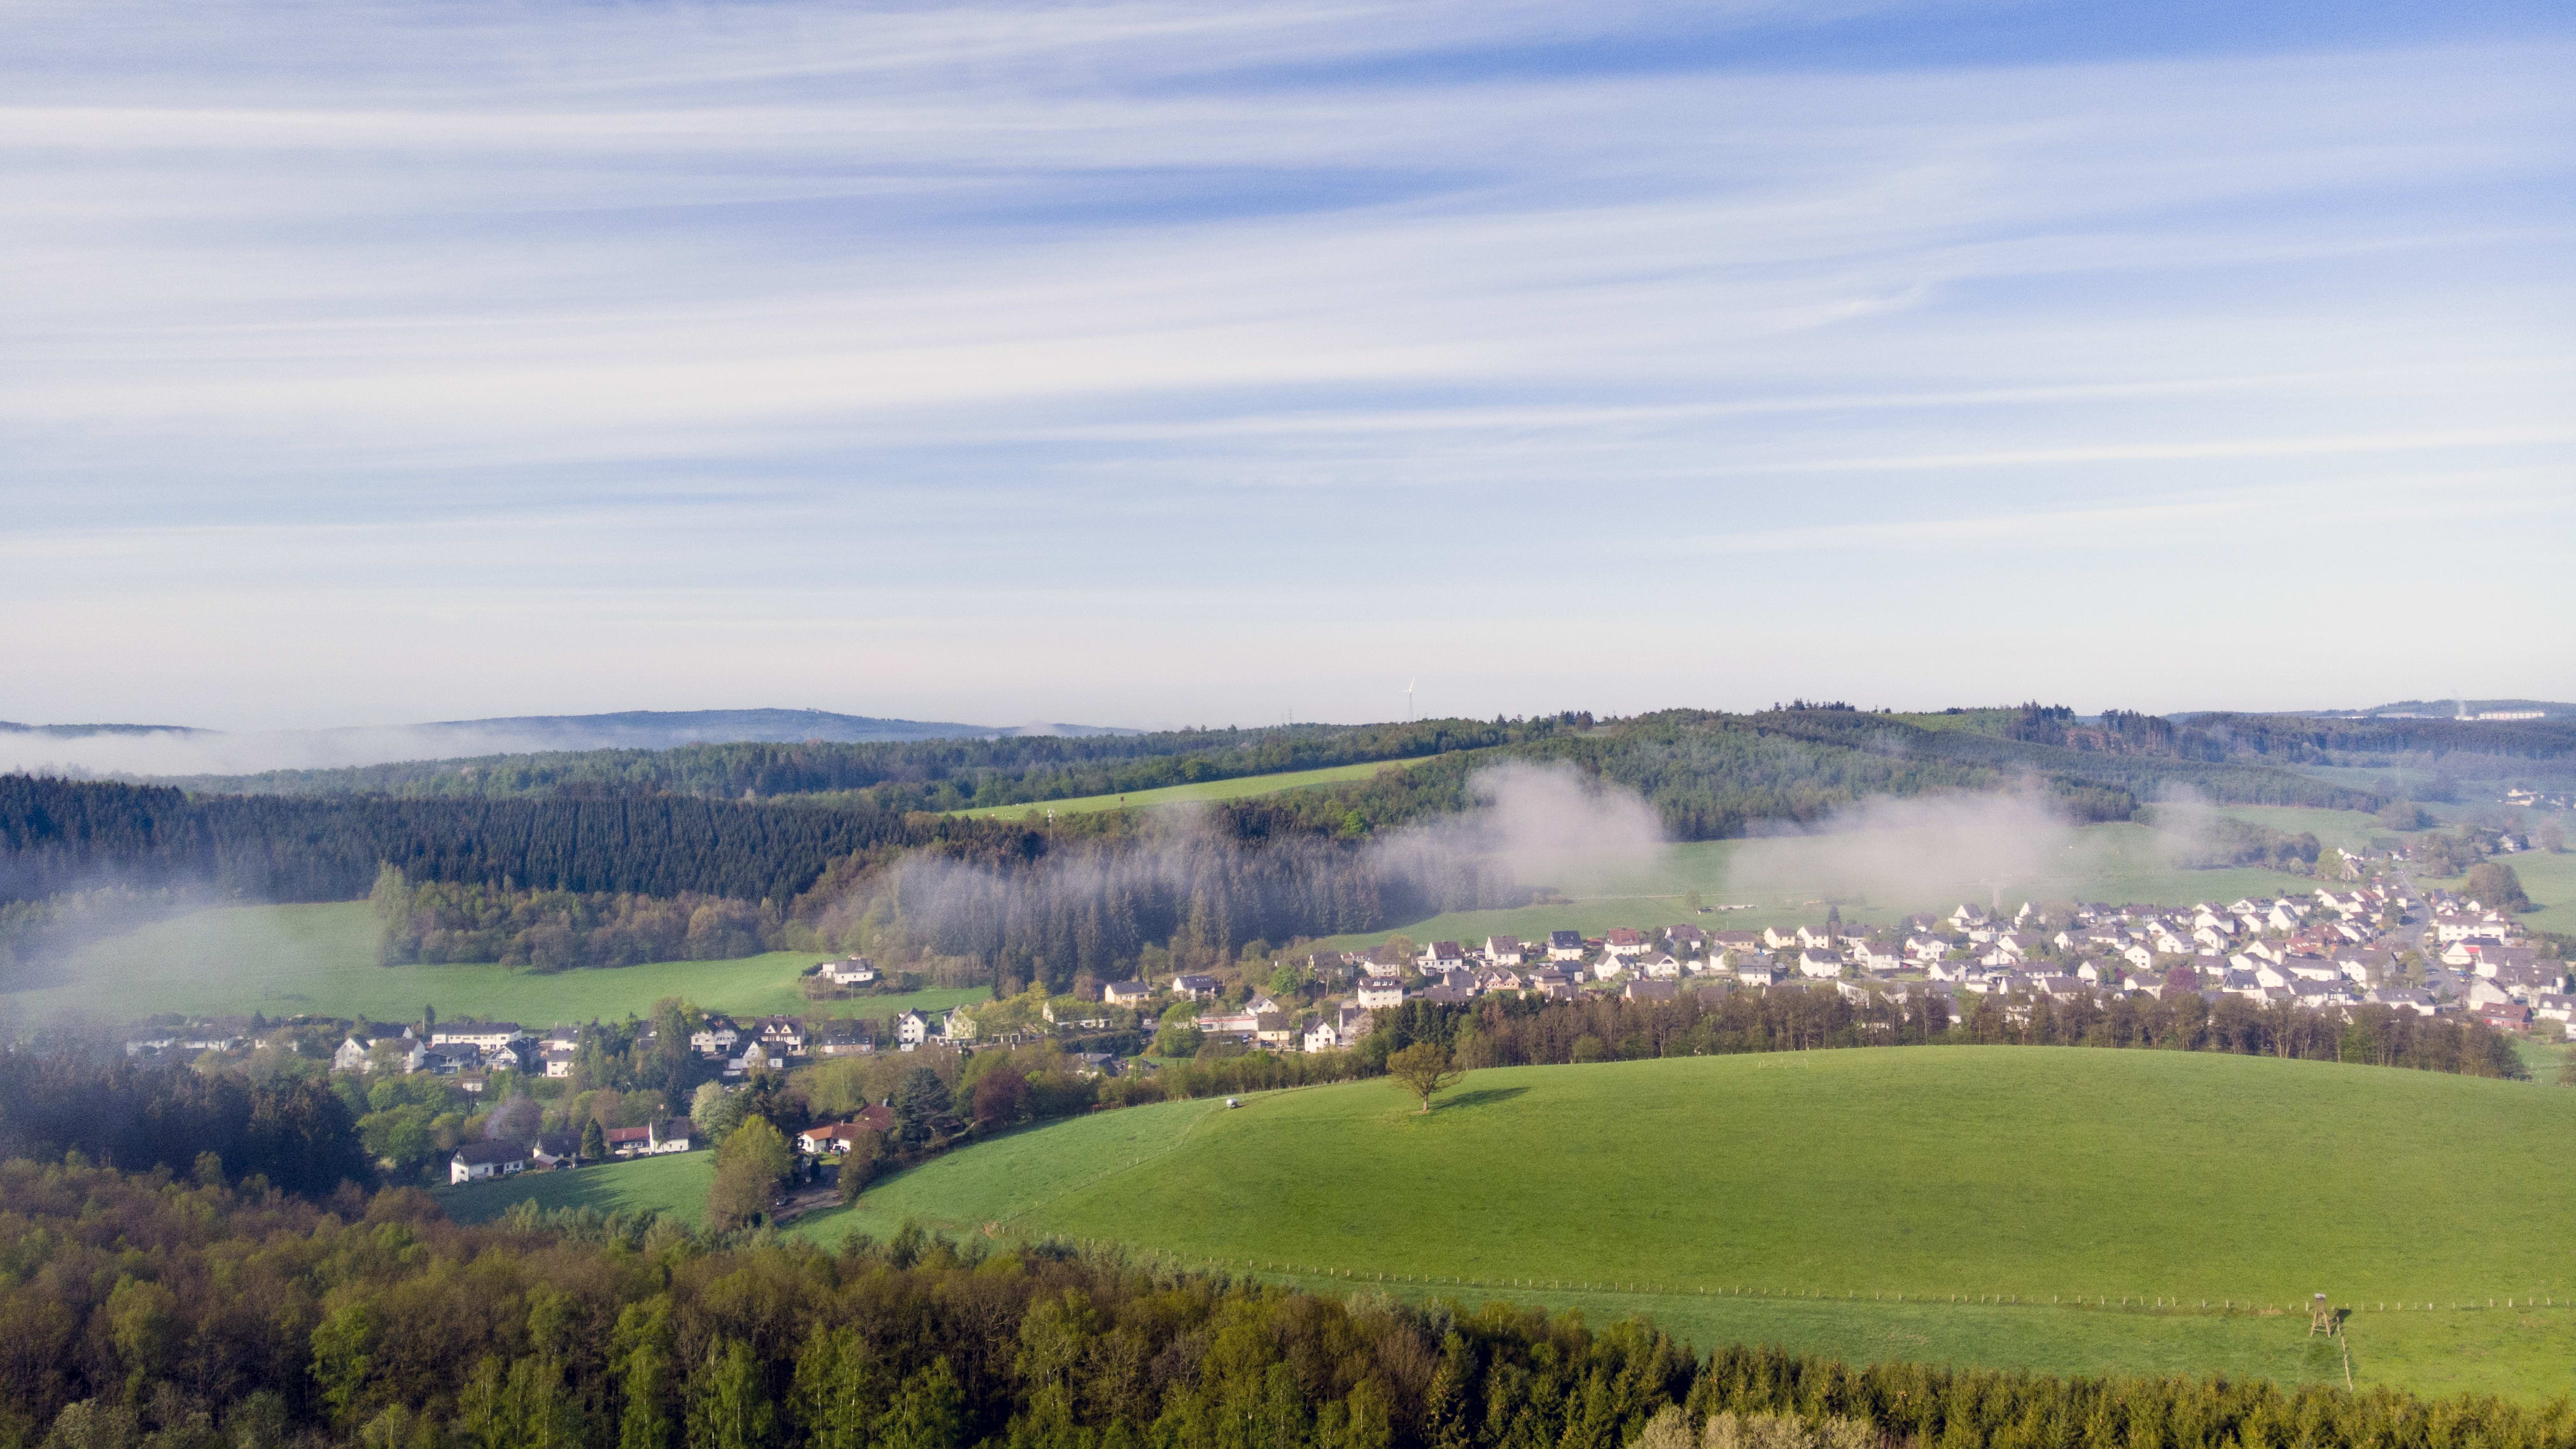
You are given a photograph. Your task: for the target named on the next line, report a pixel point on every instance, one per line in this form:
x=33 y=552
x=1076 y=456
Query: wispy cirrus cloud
x=1293 y=290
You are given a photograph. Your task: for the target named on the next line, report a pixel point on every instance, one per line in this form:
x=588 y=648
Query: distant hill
x=185 y=751
x=2449 y=709
x=651 y=729
x=77 y=731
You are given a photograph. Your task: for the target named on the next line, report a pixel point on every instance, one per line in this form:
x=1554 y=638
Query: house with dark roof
x=476 y=1161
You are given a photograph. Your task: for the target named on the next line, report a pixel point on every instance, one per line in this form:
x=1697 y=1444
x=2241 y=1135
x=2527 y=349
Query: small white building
x=476 y=1161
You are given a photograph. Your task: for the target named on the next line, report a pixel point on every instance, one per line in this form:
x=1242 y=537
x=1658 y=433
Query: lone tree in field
x=1423 y=1068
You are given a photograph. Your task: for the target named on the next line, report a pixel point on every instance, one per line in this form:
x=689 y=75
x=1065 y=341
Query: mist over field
x=1543 y=824
x=1972 y=848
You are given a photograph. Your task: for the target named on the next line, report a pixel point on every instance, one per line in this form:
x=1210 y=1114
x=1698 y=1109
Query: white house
x=1818 y=962
x=1504 y=951
x=476 y=1161
x=354 y=1054
x=1876 y=956
x=1375 y=994
x=1126 y=993
x=1565 y=945
x=910 y=1030
x=848 y=971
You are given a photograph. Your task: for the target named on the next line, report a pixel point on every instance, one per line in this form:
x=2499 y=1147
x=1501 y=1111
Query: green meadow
x=675 y=1184
x=320 y=960
x=2067 y=1210
x=1241 y=788
x=2550 y=881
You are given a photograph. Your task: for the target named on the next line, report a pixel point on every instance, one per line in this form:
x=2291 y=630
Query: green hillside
x=2042 y=1176
x=320 y=960
x=1242 y=787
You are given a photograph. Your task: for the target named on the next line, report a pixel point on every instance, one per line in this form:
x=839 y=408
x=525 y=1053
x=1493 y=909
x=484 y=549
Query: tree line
x=1518 y=1031
x=62 y=835
x=433 y=922
x=140 y=1312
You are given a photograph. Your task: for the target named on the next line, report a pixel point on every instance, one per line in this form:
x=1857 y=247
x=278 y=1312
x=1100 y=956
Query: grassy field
x=676 y=1184
x=2550 y=881
x=1241 y=788
x=1793 y=1198
x=320 y=959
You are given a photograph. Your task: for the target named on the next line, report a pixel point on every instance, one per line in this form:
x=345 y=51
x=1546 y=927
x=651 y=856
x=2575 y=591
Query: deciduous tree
x=1422 y=1069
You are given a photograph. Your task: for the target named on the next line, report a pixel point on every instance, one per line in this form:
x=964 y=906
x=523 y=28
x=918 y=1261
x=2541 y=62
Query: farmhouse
x=476 y=1161
x=839 y=1137
x=848 y=971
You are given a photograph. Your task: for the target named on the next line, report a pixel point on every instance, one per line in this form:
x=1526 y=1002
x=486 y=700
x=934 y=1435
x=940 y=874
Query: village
x=2335 y=951
x=2332 y=951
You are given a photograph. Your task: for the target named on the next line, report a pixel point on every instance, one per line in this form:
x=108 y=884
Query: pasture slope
x=1240 y=787
x=1792 y=1198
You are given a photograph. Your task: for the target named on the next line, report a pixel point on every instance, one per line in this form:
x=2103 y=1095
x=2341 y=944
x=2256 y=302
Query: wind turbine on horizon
x=1408 y=699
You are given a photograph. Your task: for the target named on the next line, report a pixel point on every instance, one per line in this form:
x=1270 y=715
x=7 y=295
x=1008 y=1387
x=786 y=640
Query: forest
x=152 y=1312
x=293 y=1134
x=549 y=930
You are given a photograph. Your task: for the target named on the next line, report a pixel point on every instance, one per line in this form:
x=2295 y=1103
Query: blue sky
x=1205 y=363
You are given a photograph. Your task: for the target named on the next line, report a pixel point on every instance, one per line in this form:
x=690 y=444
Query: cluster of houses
x=476 y=1161
x=2334 y=950
x=472 y=1050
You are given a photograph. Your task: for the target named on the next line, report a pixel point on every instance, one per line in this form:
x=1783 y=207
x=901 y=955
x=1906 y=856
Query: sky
x=1227 y=363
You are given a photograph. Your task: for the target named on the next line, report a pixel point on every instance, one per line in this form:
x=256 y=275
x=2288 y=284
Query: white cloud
x=487 y=314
